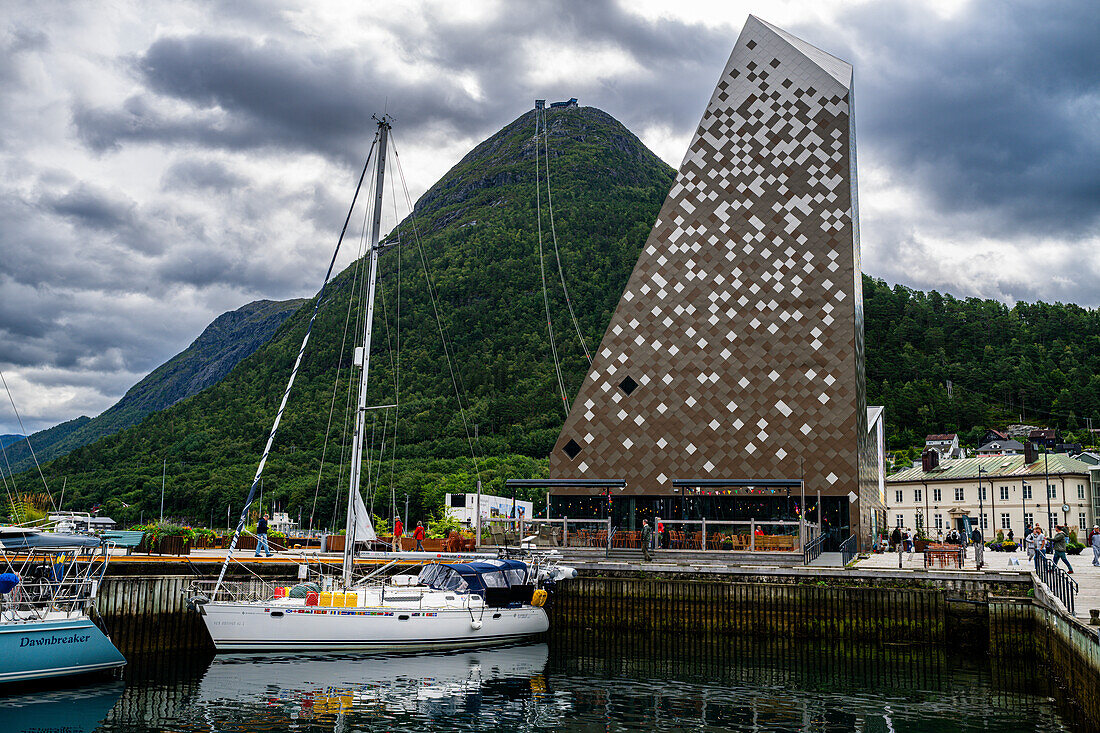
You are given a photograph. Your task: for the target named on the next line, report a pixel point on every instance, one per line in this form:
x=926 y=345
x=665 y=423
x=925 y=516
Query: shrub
x=1009 y=546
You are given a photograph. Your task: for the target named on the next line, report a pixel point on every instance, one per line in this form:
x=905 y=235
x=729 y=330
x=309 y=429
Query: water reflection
x=78 y=710
x=590 y=681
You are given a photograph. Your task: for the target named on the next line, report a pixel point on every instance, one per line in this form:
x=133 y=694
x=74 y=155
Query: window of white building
x=985 y=521
x=1080 y=491
x=901 y=521
x=1027 y=491
x=939 y=521
x=1004 y=493
x=1052 y=491
x=937 y=495
x=960 y=494
x=1006 y=521
x=1029 y=520
x=918 y=495
x=981 y=493
x=897 y=497
x=1081 y=521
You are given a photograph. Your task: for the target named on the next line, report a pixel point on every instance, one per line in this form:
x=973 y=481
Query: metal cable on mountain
x=554 y=234
x=542 y=273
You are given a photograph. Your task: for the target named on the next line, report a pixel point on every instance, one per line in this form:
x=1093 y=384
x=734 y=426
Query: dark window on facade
x=572 y=449
x=628 y=385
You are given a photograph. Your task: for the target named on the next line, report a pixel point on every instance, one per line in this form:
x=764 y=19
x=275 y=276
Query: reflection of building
x=734 y=359
x=463 y=507
x=1010 y=490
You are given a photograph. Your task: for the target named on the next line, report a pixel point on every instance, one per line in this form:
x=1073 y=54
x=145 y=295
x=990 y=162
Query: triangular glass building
x=733 y=367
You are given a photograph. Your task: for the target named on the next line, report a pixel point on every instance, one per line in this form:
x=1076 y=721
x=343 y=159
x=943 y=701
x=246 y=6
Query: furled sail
x=364 y=528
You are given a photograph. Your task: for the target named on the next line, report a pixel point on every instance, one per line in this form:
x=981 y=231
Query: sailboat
x=447 y=605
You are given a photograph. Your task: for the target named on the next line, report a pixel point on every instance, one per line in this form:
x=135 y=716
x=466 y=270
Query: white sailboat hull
x=257 y=627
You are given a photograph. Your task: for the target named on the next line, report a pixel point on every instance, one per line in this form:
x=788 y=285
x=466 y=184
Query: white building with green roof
x=1001 y=492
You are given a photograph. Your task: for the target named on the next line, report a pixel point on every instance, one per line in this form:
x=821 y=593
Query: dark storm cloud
x=994 y=110
x=202 y=174
x=249 y=94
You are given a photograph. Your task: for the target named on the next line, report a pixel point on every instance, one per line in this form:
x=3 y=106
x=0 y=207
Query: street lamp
x=1046 y=490
x=980 y=503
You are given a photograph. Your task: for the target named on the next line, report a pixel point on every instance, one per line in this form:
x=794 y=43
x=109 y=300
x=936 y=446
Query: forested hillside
x=229 y=338
x=478 y=240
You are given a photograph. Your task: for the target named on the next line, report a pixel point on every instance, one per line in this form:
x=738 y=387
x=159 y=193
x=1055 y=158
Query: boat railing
x=252 y=589
x=36 y=597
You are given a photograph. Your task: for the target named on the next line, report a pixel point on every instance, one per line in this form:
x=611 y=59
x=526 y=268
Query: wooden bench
x=124 y=538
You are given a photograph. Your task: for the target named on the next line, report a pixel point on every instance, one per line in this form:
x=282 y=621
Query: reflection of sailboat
x=431 y=686
x=452 y=605
x=72 y=711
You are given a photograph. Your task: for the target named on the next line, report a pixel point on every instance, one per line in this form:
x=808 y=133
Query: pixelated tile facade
x=736 y=350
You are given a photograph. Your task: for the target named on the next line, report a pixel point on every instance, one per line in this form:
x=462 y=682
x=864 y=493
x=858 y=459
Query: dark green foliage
x=478 y=231
x=1036 y=362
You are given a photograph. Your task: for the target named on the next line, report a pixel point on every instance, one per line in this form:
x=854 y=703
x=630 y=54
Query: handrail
x=813 y=550
x=1057 y=581
x=848 y=550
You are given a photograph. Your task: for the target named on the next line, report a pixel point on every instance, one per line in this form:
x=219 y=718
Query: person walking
x=647 y=539
x=979 y=547
x=895 y=539
x=1095 y=544
x=398 y=531
x=1012 y=538
x=261 y=537
x=1040 y=546
x=1058 y=543
x=418 y=535
x=1029 y=543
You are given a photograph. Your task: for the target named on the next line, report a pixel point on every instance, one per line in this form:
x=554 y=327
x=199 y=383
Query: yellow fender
x=538 y=598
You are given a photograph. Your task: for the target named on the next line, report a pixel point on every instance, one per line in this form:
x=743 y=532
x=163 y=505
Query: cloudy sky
x=163 y=162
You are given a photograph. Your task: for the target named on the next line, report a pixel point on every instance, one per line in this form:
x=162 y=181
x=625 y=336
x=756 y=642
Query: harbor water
x=584 y=680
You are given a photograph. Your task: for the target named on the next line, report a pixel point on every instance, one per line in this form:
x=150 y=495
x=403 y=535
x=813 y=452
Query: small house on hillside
x=1045 y=436
x=992 y=435
x=1001 y=447
x=946 y=444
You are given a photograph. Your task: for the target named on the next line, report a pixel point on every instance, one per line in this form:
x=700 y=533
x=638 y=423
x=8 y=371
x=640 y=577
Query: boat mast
x=364 y=360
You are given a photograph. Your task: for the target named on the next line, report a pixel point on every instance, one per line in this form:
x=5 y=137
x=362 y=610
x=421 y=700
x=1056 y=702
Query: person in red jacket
x=398 y=530
x=418 y=535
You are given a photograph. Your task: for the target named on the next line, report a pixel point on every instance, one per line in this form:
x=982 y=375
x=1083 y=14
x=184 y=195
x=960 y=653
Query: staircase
x=626 y=554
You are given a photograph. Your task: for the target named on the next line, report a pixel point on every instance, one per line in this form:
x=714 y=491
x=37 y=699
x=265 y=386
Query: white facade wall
x=914 y=502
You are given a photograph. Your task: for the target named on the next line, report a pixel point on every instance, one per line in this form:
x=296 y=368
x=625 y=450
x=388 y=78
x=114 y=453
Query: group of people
x=399 y=532
x=263 y=546
x=1037 y=545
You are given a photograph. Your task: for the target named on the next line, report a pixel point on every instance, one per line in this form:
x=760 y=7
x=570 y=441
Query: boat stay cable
x=293 y=374
x=27 y=437
x=336 y=387
x=456 y=379
x=542 y=274
x=554 y=233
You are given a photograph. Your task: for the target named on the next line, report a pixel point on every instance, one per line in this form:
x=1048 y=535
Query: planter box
x=165 y=546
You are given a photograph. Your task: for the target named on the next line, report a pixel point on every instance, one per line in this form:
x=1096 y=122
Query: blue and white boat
x=47 y=594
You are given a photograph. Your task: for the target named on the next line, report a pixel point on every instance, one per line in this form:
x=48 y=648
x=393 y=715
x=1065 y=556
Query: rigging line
x=27 y=438
x=397 y=329
x=554 y=235
x=293 y=374
x=355 y=301
x=11 y=501
x=542 y=273
x=456 y=380
x=335 y=388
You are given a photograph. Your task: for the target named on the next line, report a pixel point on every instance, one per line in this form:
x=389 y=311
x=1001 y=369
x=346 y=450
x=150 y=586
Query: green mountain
x=476 y=234
x=6 y=440
x=478 y=237
x=228 y=339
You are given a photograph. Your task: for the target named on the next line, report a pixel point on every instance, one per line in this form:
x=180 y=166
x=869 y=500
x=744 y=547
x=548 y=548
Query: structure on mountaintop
x=733 y=368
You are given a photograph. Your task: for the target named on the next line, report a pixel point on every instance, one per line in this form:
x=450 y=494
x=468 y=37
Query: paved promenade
x=1086 y=575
